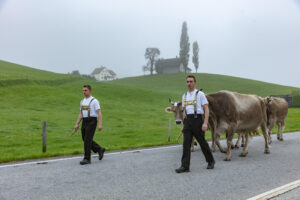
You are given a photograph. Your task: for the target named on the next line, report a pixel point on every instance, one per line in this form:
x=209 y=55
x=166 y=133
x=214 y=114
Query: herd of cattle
x=231 y=113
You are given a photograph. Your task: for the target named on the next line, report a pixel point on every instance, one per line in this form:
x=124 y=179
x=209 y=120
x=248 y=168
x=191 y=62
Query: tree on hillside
x=151 y=55
x=75 y=72
x=196 y=55
x=184 y=47
x=145 y=68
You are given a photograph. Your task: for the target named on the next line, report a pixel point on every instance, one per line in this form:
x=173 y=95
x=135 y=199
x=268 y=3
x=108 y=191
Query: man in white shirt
x=89 y=112
x=195 y=105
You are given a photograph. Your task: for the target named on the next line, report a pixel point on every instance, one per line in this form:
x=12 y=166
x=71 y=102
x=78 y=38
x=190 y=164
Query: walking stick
x=74 y=131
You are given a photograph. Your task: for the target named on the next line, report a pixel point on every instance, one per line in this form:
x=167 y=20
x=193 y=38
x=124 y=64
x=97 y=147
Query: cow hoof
x=243 y=154
x=236 y=146
x=232 y=147
x=267 y=152
x=242 y=145
x=213 y=150
x=280 y=139
x=227 y=159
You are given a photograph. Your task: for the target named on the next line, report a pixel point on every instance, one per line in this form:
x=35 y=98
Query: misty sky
x=257 y=39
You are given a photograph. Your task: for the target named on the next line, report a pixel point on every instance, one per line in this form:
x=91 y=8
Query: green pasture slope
x=175 y=84
x=133 y=109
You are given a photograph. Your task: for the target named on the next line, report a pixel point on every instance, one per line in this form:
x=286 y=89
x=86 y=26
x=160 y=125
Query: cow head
x=177 y=109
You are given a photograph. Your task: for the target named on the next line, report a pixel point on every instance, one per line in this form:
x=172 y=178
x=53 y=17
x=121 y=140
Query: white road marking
x=277 y=191
x=44 y=161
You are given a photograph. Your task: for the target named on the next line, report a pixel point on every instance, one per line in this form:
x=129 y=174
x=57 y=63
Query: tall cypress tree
x=196 y=55
x=184 y=47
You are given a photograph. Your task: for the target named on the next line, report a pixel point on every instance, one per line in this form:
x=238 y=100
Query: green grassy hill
x=175 y=84
x=133 y=110
x=11 y=71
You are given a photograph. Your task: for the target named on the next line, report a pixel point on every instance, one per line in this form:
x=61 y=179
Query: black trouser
x=87 y=131
x=193 y=127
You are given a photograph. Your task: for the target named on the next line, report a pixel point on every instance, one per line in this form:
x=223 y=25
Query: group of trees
x=151 y=54
x=77 y=73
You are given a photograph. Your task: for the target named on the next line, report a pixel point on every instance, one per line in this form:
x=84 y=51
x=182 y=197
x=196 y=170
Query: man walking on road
x=89 y=112
x=194 y=105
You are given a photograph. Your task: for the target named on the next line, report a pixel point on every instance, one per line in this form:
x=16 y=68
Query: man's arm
x=99 y=119
x=79 y=118
x=206 y=116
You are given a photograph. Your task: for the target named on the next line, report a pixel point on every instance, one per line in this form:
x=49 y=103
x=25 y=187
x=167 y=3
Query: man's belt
x=193 y=115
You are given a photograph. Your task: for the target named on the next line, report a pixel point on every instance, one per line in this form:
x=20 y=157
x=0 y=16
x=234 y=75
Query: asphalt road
x=291 y=195
x=149 y=174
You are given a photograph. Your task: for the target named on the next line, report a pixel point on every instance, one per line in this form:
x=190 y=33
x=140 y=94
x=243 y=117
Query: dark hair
x=191 y=76
x=88 y=87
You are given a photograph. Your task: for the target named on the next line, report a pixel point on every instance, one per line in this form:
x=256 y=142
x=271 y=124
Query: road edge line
x=277 y=191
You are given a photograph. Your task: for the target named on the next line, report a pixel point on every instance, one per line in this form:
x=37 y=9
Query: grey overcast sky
x=257 y=39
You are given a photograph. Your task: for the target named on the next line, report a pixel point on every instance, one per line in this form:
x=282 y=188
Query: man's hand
x=204 y=127
x=100 y=128
x=76 y=127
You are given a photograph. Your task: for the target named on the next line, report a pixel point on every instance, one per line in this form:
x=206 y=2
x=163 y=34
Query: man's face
x=86 y=92
x=190 y=83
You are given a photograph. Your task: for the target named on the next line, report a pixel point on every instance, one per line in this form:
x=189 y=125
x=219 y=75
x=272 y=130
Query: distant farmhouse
x=103 y=74
x=169 y=66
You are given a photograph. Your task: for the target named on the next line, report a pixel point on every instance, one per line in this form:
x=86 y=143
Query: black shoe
x=182 y=169
x=211 y=165
x=101 y=153
x=85 y=161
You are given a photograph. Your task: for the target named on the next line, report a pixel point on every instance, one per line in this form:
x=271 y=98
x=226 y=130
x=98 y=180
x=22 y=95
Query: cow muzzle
x=178 y=121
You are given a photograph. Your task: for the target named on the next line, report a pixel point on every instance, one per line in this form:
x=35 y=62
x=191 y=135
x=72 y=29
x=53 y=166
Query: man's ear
x=168 y=110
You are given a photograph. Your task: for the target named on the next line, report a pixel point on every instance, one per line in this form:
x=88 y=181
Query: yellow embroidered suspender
x=194 y=102
x=88 y=108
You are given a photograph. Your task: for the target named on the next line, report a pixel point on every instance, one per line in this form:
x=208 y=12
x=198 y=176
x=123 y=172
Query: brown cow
x=231 y=112
x=179 y=116
x=277 y=110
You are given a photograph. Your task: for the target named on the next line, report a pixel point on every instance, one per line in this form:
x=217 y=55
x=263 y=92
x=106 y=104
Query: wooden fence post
x=169 y=130
x=44 y=136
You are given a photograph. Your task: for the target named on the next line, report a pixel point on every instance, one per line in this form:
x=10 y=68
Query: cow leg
x=213 y=141
x=237 y=144
x=229 y=143
x=265 y=133
x=280 y=126
x=243 y=140
x=193 y=145
x=219 y=144
x=245 y=149
x=270 y=128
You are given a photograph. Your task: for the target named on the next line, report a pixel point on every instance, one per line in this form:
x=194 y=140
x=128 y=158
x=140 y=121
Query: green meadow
x=133 y=109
